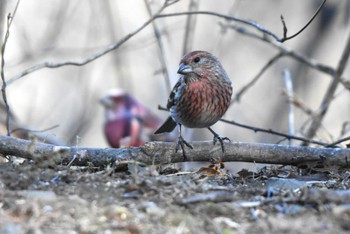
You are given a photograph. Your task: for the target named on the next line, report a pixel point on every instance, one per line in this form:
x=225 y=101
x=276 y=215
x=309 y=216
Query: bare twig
x=156 y=16
x=339 y=141
x=345 y=128
x=298 y=103
x=285 y=37
x=270 y=131
x=10 y=18
x=3 y=8
x=327 y=99
x=93 y=56
x=289 y=87
x=162 y=51
x=164 y=153
x=232 y=10
x=31 y=130
x=324 y=130
x=303 y=107
x=190 y=27
x=227 y=17
x=249 y=22
x=255 y=79
x=293 y=54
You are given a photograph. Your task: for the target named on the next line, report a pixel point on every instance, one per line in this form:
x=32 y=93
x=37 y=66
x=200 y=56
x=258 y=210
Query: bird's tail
x=167 y=126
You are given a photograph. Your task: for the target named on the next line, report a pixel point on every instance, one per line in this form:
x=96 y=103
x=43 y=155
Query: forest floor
x=45 y=198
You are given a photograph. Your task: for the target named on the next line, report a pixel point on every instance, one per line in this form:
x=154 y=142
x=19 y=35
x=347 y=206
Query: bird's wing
x=172 y=96
x=167 y=126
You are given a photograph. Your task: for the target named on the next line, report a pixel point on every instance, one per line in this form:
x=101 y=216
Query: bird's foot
x=182 y=143
x=221 y=140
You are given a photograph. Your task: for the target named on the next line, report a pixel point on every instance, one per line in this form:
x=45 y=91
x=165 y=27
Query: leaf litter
x=41 y=198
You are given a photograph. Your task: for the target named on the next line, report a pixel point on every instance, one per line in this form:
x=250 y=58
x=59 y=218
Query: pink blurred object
x=127 y=121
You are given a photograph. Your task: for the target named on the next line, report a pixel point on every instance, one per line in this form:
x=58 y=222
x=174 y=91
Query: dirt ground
x=44 y=198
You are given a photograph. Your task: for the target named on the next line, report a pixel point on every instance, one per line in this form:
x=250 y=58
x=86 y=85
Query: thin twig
x=255 y=79
x=345 y=128
x=156 y=16
x=31 y=130
x=293 y=54
x=93 y=56
x=285 y=38
x=227 y=17
x=312 y=114
x=250 y=22
x=270 y=131
x=223 y=31
x=338 y=141
x=327 y=99
x=162 y=52
x=303 y=107
x=3 y=88
x=289 y=87
x=298 y=103
x=190 y=27
x=285 y=29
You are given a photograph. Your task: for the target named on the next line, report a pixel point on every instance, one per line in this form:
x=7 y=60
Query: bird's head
x=115 y=98
x=200 y=63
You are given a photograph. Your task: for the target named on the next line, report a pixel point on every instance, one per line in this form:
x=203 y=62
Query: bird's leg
x=218 y=138
x=181 y=143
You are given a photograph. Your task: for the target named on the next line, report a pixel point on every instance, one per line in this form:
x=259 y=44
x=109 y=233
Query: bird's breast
x=201 y=103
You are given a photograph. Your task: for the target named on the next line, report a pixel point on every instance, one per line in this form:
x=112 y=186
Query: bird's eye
x=196 y=59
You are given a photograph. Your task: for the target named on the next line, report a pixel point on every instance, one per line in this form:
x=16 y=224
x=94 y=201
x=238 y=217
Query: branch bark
x=164 y=153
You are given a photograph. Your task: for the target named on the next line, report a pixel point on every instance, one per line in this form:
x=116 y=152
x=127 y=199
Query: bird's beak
x=184 y=69
x=106 y=102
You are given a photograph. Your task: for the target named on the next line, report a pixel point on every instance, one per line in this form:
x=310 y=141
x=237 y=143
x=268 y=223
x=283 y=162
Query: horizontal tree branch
x=164 y=153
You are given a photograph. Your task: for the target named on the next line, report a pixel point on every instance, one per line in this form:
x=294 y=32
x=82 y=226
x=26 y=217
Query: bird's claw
x=181 y=143
x=221 y=140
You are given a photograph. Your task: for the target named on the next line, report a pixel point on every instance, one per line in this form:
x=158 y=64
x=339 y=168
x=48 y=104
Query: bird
x=200 y=97
x=127 y=121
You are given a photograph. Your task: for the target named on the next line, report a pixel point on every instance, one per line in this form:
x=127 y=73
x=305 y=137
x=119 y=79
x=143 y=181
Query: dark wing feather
x=170 y=124
x=171 y=99
x=167 y=126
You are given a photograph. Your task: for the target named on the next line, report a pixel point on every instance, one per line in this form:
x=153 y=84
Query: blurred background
x=144 y=66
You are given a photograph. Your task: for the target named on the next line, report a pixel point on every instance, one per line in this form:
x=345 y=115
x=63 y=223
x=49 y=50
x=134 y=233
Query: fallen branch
x=164 y=153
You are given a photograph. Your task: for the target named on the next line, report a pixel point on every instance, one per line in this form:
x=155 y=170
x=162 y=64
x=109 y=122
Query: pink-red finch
x=200 y=97
x=127 y=121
